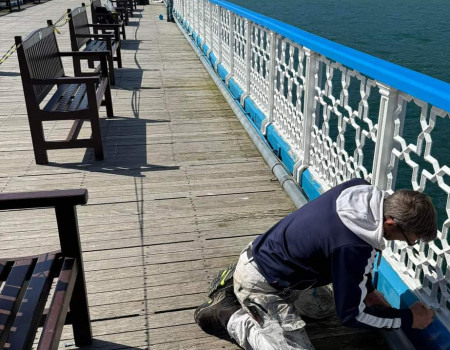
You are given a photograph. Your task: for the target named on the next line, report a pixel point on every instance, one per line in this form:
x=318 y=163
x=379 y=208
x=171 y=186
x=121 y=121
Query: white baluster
x=385 y=137
x=271 y=77
x=231 y=28
x=308 y=117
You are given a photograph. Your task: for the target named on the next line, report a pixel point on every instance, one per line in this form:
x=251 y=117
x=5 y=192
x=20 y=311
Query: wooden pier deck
x=181 y=191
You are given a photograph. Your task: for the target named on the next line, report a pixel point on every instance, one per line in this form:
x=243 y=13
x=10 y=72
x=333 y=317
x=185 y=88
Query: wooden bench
x=9 y=5
x=127 y=5
x=67 y=98
x=101 y=15
x=26 y=281
x=83 y=40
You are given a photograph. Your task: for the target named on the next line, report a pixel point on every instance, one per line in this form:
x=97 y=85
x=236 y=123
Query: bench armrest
x=96 y=36
x=85 y=54
x=23 y=200
x=104 y=25
x=66 y=80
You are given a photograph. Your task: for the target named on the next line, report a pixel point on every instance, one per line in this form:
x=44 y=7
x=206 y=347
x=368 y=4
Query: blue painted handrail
x=431 y=90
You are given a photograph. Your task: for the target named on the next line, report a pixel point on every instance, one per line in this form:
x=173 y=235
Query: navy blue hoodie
x=333 y=239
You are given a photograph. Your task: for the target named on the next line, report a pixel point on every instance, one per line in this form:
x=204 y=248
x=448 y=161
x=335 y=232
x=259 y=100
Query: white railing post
x=248 y=59
x=219 y=35
x=385 y=137
x=271 y=77
x=231 y=27
x=308 y=110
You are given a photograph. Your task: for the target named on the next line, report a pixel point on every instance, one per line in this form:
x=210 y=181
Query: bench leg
x=112 y=77
x=79 y=311
x=124 y=36
x=66 y=217
x=119 y=57
x=38 y=140
x=108 y=102
x=97 y=138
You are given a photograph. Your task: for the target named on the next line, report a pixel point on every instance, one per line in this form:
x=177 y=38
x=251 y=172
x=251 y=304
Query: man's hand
x=422 y=316
x=376 y=298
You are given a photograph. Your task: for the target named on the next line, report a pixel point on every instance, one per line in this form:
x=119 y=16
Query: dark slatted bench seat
x=26 y=281
x=83 y=40
x=76 y=98
x=101 y=15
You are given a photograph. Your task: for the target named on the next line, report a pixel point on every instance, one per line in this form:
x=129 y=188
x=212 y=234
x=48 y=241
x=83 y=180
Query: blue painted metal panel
x=416 y=84
x=236 y=91
x=280 y=148
x=255 y=114
x=310 y=186
x=222 y=71
x=212 y=59
x=205 y=48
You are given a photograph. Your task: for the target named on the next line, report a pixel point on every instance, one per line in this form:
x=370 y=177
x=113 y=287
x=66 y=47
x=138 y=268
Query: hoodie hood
x=360 y=208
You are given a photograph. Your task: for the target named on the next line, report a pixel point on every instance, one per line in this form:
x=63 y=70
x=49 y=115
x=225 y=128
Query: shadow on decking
x=101 y=344
x=125 y=147
x=130 y=44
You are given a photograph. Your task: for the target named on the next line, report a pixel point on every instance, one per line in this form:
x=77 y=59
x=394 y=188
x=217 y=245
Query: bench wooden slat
x=32 y=306
x=53 y=102
x=66 y=98
x=51 y=333
x=75 y=103
x=9 y=298
x=95 y=45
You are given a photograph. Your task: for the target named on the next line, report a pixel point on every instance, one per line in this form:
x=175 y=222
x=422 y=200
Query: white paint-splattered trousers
x=270 y=319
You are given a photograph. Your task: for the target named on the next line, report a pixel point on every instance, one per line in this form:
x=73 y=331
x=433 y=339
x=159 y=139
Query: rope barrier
x=8 y=53
x=56 y=25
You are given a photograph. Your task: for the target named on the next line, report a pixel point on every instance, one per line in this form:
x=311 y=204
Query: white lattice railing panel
x=342 y=123
x=259 y=71
x=426 y=267
x=239 y=50
x=225 y=36
x=289 y=92
x=215 y=13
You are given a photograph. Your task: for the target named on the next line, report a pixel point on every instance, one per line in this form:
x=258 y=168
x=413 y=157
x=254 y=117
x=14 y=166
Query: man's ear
x=389 y=221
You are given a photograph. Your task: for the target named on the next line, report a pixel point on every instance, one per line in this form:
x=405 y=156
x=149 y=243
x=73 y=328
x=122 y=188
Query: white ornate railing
x=344 y=114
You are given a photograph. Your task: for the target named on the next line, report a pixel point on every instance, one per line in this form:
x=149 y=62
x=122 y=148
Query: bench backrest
x=100 y=14
x=78 y=24
x=39 y=58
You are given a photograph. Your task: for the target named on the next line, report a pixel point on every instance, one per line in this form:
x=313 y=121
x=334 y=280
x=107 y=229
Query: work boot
x=213 y=316
x=223 y=279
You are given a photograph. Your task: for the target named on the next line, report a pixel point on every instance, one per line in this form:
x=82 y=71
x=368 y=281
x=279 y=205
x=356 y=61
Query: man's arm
x=351 y=267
